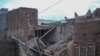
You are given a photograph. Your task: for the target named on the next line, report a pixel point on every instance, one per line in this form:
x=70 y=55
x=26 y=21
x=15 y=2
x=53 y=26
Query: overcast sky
x=61 y=9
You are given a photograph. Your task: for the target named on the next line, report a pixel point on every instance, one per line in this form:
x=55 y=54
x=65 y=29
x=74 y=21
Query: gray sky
x=57 y=12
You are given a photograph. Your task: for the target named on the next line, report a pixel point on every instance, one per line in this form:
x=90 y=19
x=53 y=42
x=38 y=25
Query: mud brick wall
x=20 y=23
x=87 y=31
x=87 y=27
x=8 y=48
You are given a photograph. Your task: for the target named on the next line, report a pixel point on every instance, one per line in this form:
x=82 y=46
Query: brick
x=84 y=38
x=89 y=27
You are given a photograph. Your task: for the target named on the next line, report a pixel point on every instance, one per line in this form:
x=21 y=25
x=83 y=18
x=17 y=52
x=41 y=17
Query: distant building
x=3 y=10
x=3 y=13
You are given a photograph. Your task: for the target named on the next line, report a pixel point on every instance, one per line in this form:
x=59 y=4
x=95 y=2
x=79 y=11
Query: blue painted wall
x=3 y=13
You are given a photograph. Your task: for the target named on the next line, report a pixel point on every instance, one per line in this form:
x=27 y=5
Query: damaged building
x=20 y=34
x=21 y=23
x=86 y=35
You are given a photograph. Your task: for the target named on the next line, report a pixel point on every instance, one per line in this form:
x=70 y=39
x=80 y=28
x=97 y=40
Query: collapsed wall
x=61 y=33
x=57 y=39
